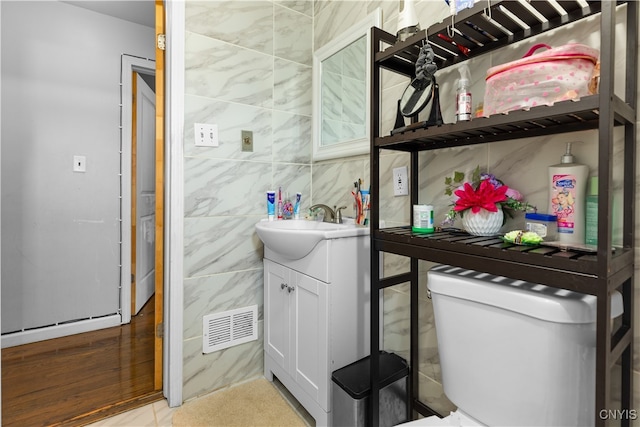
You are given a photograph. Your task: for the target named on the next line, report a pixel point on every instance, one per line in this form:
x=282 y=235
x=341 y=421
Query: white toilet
x=514 y=353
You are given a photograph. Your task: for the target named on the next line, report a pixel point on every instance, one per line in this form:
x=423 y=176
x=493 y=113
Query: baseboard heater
x=62 y=329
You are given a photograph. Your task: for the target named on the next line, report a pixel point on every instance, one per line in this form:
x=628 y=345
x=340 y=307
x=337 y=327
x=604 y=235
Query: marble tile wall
x=522 y=165
x=247 y=67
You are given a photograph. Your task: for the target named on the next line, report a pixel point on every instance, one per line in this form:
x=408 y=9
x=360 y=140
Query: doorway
x=143 y=191
x=139 y=180
x=142 y=270
x=84 y=377
x=119 y=344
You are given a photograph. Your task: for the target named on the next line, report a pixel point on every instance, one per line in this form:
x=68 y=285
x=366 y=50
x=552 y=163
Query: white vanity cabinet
x=296 y=331
x=316 y=318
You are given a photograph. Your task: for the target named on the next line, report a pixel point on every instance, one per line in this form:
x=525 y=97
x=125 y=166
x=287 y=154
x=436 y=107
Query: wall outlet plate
x=205 y=135
x=247 y=140
x=400 y=181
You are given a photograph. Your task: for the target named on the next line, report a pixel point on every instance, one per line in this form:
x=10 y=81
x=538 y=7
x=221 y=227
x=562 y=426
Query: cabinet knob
x=291 y=289
x=282 y=286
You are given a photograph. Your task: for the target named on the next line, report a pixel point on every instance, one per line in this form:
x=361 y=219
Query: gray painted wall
x=60 y=98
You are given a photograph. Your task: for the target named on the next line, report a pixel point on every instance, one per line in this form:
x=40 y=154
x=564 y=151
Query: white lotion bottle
x=567 y=197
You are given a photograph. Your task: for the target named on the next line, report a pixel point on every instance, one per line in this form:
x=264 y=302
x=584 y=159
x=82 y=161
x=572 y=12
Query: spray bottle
x=567 y=197
x=463 y=95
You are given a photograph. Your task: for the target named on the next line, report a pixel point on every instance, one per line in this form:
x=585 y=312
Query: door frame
x=142 y=91
x=130 y=64
x=172 y=360
x=174 y=197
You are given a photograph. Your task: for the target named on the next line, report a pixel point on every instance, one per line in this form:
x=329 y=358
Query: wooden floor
x=81 y=378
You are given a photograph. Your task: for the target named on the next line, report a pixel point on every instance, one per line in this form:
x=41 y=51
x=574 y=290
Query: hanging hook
x=450 y=32
x=488 y=9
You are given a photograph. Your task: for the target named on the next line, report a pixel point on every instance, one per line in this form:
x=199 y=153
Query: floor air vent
x=229 y=328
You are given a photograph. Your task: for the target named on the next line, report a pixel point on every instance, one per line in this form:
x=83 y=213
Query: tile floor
x=159 y=414
x=156 y=414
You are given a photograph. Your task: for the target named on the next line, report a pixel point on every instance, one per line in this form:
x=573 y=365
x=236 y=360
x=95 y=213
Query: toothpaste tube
x=271 y=205
x=296 y=206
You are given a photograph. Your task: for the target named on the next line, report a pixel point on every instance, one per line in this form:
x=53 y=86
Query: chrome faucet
x=330 y=215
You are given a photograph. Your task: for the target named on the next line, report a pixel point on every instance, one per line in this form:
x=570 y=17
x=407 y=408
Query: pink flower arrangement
x=486 y=196
x=485 y=191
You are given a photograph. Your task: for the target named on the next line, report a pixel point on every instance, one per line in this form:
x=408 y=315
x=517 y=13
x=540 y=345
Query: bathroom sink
x=295 y=238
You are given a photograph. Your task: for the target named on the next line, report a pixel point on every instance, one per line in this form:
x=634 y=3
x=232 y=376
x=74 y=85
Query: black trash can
x=351 y=391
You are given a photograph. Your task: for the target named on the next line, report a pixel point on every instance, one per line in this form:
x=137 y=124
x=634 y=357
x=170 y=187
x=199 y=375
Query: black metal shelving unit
x=597 y=274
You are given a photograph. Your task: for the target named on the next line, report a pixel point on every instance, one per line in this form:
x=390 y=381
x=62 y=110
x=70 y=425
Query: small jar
x=544 y=225
x=422 y=219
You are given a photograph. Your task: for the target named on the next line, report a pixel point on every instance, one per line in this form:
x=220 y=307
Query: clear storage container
x=544 y=225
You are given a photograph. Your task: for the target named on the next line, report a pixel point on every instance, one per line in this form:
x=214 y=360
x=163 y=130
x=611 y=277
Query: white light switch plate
x=400 y=181
x=205 y=135
x=79 y=164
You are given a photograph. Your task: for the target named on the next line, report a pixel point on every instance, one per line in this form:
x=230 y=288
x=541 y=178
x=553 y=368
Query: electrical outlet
x=400 y=181
x=79 y=164
x=205 y=135
x=247 y=140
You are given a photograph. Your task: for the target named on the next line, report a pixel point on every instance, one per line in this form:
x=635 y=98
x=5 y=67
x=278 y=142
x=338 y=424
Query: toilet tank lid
x=532 y=299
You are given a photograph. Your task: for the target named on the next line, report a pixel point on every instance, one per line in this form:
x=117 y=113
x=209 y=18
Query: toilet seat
x=454 y=419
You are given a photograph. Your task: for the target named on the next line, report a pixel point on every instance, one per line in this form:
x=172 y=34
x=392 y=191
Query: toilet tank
x=515 y=353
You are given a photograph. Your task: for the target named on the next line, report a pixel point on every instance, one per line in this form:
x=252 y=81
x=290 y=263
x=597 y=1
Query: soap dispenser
x=567 y=197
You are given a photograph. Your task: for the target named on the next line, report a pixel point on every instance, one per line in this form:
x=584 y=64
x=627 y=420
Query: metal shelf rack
x=597 y=274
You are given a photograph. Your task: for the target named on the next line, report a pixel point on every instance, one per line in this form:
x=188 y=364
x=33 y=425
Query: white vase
x=483 y=223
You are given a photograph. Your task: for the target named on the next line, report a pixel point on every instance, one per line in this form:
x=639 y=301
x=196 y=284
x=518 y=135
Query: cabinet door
x=309 y=337
x=276 y=312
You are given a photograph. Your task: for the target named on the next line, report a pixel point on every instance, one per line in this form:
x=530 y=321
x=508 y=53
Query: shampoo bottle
x=567 y=197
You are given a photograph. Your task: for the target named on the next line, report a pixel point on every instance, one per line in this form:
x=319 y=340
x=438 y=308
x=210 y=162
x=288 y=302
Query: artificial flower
x=486 y=196
x=484 y=191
